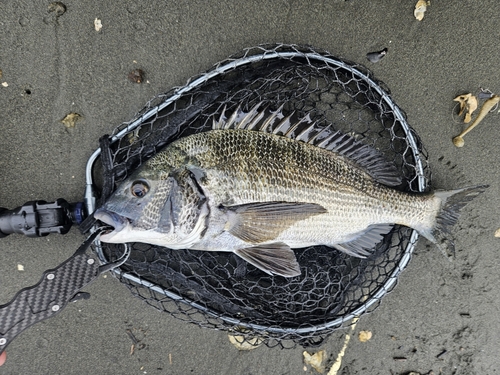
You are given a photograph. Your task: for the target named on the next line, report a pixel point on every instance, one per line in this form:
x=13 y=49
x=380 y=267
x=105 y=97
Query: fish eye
x=139 y=189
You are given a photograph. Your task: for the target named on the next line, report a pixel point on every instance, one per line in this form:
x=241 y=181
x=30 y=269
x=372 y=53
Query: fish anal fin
x=264 y=221
x=274 y=259
x=364 y=243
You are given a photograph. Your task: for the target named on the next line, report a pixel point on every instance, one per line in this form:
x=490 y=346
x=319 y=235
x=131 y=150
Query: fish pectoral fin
x=261 y=222
x=274 y=259
x=363 y=245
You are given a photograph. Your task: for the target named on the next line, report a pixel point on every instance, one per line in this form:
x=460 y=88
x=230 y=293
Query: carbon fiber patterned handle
x=47 y=298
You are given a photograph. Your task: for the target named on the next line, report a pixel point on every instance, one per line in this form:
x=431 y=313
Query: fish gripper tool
x=56 y=288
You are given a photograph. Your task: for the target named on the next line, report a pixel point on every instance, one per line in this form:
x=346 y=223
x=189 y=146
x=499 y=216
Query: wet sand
x=442 y=316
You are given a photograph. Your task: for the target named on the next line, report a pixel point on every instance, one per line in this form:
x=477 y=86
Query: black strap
x=108 y=173
x=51 y=295
x=108 y=176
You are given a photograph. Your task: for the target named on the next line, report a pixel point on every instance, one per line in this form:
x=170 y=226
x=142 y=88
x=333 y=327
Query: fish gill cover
x=219 y=290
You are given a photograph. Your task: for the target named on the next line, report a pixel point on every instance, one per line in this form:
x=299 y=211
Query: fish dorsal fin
x=365 y=242
x=255 y=119
x=264 y=221
x=362 y=154
x=274 y=259
x=306 y=130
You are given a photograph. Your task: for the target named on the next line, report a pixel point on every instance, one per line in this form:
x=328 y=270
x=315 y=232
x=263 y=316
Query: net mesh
x=219 y=290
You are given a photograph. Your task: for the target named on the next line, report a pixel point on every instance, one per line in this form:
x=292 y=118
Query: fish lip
x=112 y=219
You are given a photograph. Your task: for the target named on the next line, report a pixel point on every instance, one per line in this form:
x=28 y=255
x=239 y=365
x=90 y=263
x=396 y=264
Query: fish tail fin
x=452 y=202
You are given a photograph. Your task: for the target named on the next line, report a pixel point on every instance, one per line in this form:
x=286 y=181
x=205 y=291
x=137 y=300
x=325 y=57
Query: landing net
x=218 y=290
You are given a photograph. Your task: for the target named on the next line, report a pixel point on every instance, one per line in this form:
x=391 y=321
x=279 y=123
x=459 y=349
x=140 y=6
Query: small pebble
x=57 y=8
x=136 y=76
x=97 y=24
x=23 y=21
x=484 y=95
x=375 y=57
x=364 y=336
x=70 y=120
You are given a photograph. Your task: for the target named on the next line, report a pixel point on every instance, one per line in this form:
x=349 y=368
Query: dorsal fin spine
x=284 y=123
x=233 y=117
x=291 y=127
x=307 y=130
x=248 y=117
x=315 y=137
x=257 y=118
x=271 y=119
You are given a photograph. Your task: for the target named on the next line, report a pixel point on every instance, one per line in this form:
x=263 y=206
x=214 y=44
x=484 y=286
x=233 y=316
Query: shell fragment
x=420 y=9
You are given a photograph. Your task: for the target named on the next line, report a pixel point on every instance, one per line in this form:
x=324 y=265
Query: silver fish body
x=252 y=187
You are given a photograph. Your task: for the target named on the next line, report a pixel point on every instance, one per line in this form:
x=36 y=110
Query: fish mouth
x=113 y=220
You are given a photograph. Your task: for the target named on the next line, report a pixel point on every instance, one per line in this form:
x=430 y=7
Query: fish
x=260 y=184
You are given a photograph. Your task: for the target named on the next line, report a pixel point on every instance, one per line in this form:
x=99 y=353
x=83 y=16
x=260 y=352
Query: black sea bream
x=254 y=187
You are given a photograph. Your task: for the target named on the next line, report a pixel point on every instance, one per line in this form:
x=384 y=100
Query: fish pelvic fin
x=274 y=259
x=451 y=203
x=264 y=221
